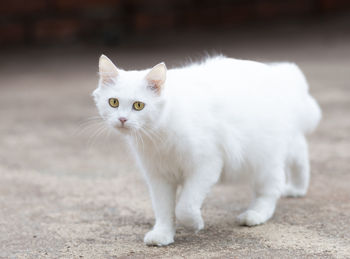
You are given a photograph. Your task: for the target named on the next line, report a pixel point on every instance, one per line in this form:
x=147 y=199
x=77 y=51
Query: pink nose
x=123 y=120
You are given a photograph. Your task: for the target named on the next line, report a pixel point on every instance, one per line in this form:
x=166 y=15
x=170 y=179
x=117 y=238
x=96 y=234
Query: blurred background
x=114 y=22
x=68 y=189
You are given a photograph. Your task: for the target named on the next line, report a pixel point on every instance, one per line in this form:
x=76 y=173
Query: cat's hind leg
x=298 y=169
x=267 y=190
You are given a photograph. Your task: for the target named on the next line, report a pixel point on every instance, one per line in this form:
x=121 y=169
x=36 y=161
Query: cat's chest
x=161 y=159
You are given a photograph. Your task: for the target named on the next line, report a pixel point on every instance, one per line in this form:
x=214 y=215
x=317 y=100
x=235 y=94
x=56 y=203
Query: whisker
x=87 y=125
x=154 y=134
x=151 y=138
x=93 y=137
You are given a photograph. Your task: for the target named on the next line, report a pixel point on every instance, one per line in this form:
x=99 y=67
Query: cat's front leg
x=194 y=191
x=163 y=201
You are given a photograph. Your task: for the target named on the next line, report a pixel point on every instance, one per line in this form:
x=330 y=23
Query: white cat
x=192 y=126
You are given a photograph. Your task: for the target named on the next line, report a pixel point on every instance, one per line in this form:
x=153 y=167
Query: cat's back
x=217 y=76
x=234 y=78
x=224 y=90
x=217 y=68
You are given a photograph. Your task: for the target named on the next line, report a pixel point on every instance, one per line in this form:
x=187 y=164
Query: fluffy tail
x=312 y=116
x=308 y=112
x=309 y=109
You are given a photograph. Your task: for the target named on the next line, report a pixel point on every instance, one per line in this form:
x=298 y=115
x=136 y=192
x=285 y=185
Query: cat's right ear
x=107 y=70
x=156 y=77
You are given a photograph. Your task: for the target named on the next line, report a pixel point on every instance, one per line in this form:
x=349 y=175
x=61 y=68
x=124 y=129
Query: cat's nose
x=123 y=120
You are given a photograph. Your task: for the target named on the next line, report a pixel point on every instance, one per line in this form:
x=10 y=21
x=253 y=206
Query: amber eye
x=138 y=106
x=113 y=102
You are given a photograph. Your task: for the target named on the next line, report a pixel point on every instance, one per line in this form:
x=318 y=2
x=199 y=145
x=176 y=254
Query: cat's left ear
x=156 y=77
x=107 y=70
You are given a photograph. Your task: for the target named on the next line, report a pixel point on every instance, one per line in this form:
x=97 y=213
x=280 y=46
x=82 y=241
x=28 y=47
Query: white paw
x=157 y=237
x=251 y=218
x=291 y=191
x=190 y=219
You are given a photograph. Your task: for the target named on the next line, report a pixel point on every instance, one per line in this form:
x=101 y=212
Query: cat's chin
x=123 y=130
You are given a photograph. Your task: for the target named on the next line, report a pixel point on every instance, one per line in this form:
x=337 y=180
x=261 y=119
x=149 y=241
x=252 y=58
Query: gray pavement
x=68 y=190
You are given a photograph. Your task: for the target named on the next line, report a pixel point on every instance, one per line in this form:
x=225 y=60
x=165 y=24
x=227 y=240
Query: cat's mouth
x=122 y=128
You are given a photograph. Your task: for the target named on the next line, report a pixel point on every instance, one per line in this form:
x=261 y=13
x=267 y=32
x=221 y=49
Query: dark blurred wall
x=109 y=21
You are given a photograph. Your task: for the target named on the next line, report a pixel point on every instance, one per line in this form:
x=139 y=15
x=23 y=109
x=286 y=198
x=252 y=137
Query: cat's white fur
x=222 y=117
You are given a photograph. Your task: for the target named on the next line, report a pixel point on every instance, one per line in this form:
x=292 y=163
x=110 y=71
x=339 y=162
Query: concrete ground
x=67 y=190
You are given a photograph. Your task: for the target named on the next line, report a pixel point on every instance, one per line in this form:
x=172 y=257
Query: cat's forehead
x=132 y=77
x=129 y=84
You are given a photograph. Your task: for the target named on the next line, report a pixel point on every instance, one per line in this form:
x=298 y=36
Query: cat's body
x=221 y=118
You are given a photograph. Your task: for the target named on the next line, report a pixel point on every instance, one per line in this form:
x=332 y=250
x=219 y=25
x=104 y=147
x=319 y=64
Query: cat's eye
x=138 y=106
x=113 y=102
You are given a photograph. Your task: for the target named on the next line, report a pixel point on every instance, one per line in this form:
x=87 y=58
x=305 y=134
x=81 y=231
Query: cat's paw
x=190 y=219
x=293 y=192
x=157 y=237
x=251 y=218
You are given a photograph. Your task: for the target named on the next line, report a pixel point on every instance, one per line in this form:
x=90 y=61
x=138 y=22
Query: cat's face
x=129 y=100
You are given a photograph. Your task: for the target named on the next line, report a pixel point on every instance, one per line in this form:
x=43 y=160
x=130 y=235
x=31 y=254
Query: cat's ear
x=107 y=70
x=156 y=77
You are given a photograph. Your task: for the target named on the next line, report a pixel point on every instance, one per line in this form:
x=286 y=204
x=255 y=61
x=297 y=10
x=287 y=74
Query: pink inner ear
x=107 y=80
x=155 y=85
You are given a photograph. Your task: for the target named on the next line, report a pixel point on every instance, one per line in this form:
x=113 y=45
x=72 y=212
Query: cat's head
x=129 y=100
